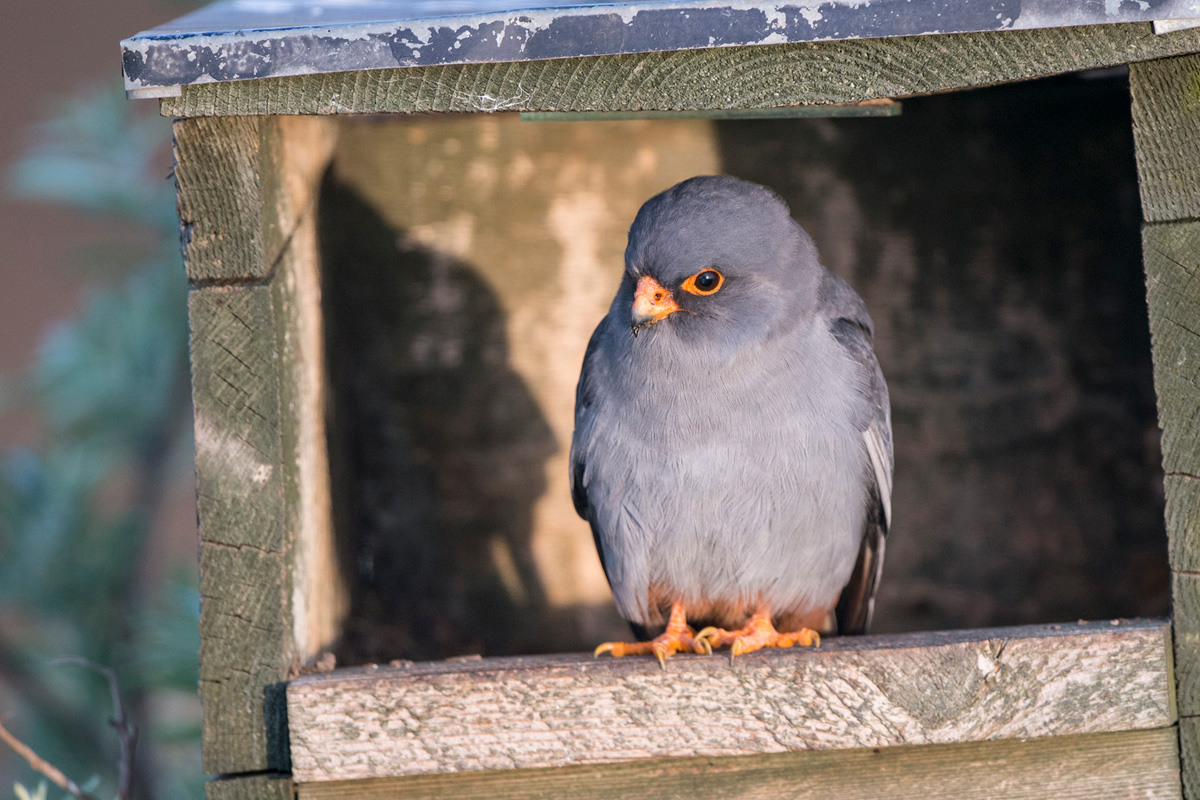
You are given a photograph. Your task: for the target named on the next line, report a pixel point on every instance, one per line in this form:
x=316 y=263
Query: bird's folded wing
x=581 y=441
x=857 y=602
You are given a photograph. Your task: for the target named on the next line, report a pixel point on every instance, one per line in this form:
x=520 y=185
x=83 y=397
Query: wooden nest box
x=392 y=283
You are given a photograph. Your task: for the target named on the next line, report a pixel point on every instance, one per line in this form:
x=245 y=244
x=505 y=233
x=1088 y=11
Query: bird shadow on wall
x=438 y=449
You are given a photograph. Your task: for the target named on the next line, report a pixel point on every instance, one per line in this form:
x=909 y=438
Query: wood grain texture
x=1171 y=254
x=1185 y=595
x=1134 y=764
x=1166 y=117
x=1189 y=755
x=252 y=787
x=747 y=77
x=1183 y=520
x=216 y=172
x=320 y=597
x=853 y=693
x=243 y=186
x=271 y=593
x=1166 y=124
x=245 y=584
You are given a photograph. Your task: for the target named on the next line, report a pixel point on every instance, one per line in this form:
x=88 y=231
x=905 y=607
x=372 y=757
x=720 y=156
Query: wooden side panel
x=243 y=576
x=1171 y=253
x=1166 y=117
x=243 y=186
x=1185 y=591
x=913 y=689
x=271 y=592
x=245 y=583
x=1136 y=764
x=1189 y=755
x=746 y=77
x=1183 y=513
x=220 y=195
x=253 y=787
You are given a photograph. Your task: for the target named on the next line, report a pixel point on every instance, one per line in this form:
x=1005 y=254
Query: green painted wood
x=722 y=78
x=1166 y=124
x=252 y=787
x=1135 y=764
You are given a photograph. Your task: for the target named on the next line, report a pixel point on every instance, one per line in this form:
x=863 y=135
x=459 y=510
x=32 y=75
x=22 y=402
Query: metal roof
x=235 y=40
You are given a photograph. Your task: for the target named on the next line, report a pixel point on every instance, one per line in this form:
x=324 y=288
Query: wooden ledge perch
x=868 y=692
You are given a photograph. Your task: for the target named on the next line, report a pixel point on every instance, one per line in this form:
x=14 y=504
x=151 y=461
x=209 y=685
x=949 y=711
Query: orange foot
x=677 y=638
x=758 y=633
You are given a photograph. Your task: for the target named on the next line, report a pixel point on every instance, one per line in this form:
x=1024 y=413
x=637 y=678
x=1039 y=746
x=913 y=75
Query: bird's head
x=717 y=262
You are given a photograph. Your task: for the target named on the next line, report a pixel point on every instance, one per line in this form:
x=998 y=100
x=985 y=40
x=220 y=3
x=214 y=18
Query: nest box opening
x=994 y=235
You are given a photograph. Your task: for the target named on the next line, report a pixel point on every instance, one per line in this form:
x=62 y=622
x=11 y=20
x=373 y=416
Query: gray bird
x=733 y=445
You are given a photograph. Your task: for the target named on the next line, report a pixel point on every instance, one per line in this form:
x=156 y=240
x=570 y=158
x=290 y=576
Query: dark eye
x=705 y=282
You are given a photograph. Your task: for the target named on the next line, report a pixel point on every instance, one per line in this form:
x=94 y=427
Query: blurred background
x=993 y=234
x=97 y=500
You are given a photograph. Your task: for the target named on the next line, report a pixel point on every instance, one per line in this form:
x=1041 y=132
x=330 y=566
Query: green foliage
x=110 y=392
x=25 y=794
x=96 y=156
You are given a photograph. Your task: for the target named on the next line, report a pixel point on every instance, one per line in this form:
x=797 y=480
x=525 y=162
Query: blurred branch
x=127 y=733
x=27 y=684
x=43 y=766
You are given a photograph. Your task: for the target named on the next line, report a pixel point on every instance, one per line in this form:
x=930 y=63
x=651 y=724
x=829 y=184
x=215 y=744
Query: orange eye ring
x=702 y=283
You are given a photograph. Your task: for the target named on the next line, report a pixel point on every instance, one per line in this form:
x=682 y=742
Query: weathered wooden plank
x=853 y=693
x=1166 y=124
x=867 y=108
x=1185 y=595
x=244 y=581
x=1132 y=764
x=216 y=172
x=1183 y=520
x=746 y=77
x=251 y=787
x=1171 y=253
x=1166 y=117
x=243 y=186
x=271 y=593
x=320 y=597
x=1189 y=755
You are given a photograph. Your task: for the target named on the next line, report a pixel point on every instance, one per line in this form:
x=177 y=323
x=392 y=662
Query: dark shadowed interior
x=995 y=237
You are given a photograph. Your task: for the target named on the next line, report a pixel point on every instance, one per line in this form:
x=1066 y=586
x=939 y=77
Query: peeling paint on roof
x=237 y=40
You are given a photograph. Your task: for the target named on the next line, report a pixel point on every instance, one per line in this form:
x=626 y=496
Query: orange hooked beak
x=651 y=303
